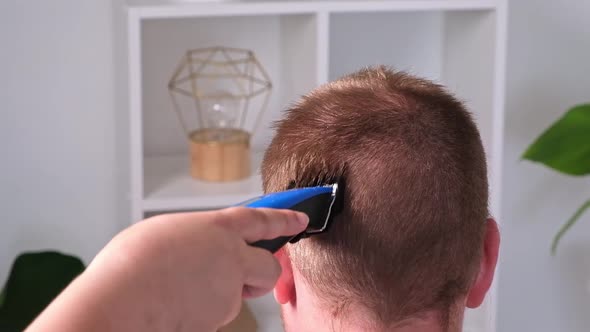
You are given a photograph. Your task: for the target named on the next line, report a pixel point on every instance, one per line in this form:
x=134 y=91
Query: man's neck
x=318 y=322
x=307 y=315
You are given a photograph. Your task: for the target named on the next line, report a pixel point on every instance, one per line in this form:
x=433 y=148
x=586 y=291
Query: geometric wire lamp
x=219 y=95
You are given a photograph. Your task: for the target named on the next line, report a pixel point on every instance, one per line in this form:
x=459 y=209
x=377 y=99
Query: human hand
x=186 y=271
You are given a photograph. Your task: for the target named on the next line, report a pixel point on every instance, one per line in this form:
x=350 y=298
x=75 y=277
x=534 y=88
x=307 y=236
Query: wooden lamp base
x=220 y=154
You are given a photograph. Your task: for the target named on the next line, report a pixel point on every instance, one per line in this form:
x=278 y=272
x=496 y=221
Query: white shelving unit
x=460 y=43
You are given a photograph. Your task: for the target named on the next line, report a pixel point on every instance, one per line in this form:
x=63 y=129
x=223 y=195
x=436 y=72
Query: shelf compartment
x=292 y=67
x=406 y=41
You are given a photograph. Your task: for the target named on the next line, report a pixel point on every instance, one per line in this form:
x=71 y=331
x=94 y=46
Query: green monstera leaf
x=565 y=147
x=34 y=281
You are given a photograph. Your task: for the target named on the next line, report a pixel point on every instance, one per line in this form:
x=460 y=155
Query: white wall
x=57 y=186
x=548 y=71
x=57 y=147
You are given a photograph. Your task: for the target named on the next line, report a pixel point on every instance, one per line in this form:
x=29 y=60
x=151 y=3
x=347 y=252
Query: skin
x=302 y=312
x=178 y=272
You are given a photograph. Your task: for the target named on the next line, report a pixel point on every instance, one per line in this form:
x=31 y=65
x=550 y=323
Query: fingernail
x=302 y=218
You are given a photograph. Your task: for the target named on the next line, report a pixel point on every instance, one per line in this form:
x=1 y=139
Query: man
x=414 y=245
x=412 y=248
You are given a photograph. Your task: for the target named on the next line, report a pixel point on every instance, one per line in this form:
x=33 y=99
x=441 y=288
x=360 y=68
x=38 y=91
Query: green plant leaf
x=34 y=281
x=568 y=224
x=565 y=146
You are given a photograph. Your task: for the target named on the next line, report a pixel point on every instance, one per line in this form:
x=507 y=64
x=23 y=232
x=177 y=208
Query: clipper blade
x=322 y=211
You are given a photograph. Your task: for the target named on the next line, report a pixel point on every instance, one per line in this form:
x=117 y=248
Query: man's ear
x=487 y=265
x=285 y=287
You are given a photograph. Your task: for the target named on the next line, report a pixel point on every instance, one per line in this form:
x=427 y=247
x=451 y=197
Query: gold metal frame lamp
x=219 y=95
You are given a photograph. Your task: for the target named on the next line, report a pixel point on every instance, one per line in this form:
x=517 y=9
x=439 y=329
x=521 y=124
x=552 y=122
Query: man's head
x=412 y=237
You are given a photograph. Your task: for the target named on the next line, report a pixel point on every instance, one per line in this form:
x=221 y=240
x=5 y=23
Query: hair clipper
x=320 y=203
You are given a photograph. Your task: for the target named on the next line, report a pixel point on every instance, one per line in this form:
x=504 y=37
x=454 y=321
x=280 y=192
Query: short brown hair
x=410 y=236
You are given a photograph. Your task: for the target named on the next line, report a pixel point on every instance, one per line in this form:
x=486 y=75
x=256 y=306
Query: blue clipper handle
x=314 y=201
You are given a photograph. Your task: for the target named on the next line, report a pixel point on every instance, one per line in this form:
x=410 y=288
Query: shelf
x=301 y=44
x=169 y=186
x=153 y=9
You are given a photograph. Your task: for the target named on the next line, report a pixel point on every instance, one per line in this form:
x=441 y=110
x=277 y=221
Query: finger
x=261 y=272
x=253 y=292
x=263 y=223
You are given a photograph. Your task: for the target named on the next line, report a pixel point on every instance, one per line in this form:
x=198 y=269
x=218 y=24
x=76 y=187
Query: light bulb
x=221 y=110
